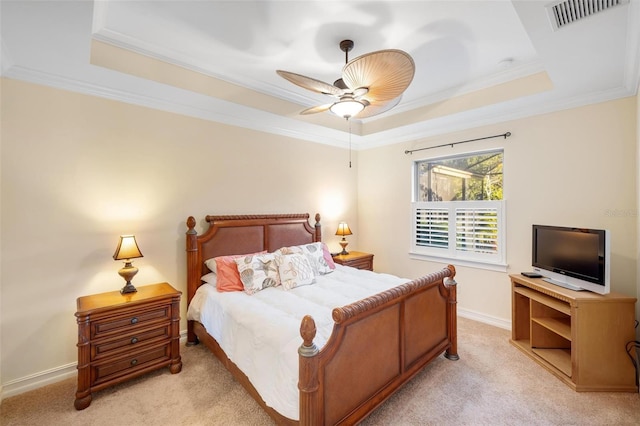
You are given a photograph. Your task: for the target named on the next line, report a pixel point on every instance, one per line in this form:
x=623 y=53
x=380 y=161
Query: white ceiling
x=462 y=49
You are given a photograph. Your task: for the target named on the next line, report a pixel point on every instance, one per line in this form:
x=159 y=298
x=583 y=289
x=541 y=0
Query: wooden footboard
x=377 y=345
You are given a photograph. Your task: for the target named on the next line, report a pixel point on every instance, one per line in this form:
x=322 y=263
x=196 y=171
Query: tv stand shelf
x=578 y=336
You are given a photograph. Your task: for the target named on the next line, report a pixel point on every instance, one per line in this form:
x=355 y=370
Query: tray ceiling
x=477 y=62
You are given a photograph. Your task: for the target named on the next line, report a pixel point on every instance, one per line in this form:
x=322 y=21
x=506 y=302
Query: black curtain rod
x=504 y=135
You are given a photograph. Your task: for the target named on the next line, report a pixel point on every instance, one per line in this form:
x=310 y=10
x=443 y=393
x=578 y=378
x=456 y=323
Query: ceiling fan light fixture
x=373 y=82
x=347 y=108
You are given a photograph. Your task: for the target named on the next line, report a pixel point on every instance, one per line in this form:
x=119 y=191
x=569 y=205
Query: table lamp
x=127 y=249
x=343 y=229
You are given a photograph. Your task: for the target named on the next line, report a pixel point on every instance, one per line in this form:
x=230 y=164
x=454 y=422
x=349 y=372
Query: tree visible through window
x=462 y=178
x=458 y=207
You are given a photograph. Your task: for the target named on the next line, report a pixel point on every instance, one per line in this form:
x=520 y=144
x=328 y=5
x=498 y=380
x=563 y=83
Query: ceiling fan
x=370 y=85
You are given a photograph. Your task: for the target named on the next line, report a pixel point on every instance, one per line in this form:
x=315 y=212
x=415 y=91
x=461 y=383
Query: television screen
x=572 y=255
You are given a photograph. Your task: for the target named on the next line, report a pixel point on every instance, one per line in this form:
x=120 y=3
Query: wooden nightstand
x=121 y=336
x=355 y=259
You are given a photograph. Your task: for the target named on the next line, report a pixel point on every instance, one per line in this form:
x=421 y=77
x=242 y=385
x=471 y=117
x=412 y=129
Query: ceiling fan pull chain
x=349 y=121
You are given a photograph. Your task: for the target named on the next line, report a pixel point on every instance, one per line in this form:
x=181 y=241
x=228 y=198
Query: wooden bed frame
x=377 y=344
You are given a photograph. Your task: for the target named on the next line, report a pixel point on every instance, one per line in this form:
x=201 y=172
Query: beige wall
x=78 y=171
x=575 y=167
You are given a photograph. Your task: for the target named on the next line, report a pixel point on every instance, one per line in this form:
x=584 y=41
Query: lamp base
x=127 y=272
x=128 y=288
x=344 y=244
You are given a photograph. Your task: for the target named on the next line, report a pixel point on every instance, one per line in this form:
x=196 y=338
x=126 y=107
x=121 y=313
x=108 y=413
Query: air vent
x=568 y=11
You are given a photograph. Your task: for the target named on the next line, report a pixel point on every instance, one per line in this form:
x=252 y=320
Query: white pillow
x=294 y=270
x=210 y=278
x=211 y=264
x=258 y=272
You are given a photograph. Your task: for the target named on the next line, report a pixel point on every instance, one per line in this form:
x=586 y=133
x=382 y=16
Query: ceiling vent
x=567 y=11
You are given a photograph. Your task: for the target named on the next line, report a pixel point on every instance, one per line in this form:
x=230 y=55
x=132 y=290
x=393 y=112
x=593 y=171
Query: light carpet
x=493 y=383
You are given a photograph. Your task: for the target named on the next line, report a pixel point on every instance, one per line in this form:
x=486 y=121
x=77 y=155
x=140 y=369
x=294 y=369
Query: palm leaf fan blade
x=386 y=73
x=310 y=83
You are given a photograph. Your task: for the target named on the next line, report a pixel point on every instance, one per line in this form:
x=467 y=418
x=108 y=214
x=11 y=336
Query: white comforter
x=261 y=333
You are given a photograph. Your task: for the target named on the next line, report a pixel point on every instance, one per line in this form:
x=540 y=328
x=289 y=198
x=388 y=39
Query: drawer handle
x=134 y=361
x=134 y=320
x=134 y=340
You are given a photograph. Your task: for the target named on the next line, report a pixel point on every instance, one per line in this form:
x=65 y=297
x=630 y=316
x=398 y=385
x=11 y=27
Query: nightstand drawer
x=362 y=264
x=132 y=340
x=132 y=318
x=103 y=372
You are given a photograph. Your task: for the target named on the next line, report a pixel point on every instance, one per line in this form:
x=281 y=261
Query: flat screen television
x=574 y=258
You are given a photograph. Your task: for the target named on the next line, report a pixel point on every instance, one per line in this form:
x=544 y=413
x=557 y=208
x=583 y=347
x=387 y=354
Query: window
x=458 y=210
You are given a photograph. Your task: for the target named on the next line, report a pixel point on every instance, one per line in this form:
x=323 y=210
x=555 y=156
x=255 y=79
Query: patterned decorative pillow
x=314 y=253
x=258 y=272
x=295 y=270
x=226 y=271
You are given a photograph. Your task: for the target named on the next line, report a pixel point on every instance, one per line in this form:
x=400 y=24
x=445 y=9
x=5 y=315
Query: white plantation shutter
x=477 y=229
x=432 y=227
x=467 y=230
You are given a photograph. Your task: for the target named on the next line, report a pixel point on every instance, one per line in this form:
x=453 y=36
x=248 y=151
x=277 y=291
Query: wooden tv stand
x=578 y=336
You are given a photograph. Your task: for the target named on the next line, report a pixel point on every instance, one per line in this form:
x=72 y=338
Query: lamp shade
x=347 y=108
x=127 y=248
x=343 y=229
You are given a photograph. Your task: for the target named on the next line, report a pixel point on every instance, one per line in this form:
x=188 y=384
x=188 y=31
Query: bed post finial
x=453 y=272
x=191 y=224
x=308 y=383
x=318 y=228
x=308 y=333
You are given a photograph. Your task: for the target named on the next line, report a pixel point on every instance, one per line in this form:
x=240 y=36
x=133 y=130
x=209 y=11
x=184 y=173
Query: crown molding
x=224 y=112
x=197 y=106
x=490 y=115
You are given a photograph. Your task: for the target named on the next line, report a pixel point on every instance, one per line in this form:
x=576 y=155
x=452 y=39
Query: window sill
x=478 y=264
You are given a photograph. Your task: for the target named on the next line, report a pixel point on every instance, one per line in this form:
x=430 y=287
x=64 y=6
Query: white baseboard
x=47 y=377
x=487 y=319
x=37 y=380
